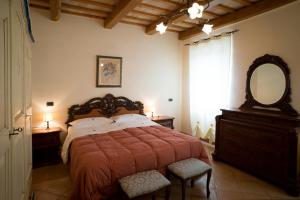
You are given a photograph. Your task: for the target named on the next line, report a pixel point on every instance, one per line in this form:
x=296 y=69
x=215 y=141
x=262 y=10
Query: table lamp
x=47 y=118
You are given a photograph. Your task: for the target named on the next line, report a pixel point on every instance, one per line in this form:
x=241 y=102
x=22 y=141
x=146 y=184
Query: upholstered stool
x=144 y=184
x=190 y=169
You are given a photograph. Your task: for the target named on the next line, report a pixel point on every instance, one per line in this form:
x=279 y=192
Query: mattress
x=97 y=161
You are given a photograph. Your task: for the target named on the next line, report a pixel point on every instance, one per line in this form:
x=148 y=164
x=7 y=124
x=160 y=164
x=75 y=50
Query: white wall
x=64 y=65
x=276 y=32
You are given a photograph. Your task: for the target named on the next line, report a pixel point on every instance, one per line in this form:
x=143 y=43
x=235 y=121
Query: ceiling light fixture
x=207 y=28
x=161 y=28
x=194 y=11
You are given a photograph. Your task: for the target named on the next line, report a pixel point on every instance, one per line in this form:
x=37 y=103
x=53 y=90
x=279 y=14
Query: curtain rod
x=212 y=37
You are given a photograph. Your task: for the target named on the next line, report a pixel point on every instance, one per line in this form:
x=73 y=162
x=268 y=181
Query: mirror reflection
x=267 y=84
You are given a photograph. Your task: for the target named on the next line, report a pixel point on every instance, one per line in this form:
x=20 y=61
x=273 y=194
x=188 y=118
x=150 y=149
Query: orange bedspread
x=98 y=161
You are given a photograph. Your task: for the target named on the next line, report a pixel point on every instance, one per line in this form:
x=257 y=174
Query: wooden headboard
x=106 y=106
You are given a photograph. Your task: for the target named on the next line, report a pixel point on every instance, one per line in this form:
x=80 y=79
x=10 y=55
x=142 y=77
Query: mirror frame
x=283 y=104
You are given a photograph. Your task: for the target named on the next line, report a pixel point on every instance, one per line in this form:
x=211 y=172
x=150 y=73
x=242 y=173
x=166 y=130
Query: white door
x=4 y=105
x=15 y=103
x=28 y=113
x=19 y=175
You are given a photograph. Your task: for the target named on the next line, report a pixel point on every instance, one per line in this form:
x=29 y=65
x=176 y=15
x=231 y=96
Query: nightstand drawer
x=45 y=140
x=167 y=123
x=164 y=121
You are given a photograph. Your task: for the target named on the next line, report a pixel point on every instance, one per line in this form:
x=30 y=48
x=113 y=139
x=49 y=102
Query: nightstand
x=164 y=121
x=45 y=146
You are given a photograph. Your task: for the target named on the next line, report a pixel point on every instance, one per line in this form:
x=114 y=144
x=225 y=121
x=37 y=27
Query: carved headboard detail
x=106 y=106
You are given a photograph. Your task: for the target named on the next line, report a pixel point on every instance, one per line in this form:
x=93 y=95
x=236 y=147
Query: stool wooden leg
x=207 y=183
x=183 y=186
x=168 y=192
x=168 y=174
x=124 y=196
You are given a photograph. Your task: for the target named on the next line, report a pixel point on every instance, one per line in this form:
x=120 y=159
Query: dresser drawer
x=266 y=139
x=247 y=146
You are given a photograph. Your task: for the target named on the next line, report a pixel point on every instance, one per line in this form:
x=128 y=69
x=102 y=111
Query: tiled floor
x=228 y=183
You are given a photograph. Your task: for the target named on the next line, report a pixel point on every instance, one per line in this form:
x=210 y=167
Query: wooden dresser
x=262 y=143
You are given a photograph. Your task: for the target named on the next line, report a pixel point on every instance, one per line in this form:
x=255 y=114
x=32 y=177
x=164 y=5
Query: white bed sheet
x=119 y=124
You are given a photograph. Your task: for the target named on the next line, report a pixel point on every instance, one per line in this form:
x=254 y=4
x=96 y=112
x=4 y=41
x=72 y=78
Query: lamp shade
x=161 y=28
x=150 y=110
x=207 y=28
x=48 y=117
x=195 y=11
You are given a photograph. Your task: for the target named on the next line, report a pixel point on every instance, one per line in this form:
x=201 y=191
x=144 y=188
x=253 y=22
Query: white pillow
x=92 y=121
x=130 y=117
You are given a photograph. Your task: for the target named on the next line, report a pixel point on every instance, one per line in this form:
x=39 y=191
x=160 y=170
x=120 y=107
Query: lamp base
x=47 y=125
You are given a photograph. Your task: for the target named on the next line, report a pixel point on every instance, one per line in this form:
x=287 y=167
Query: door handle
x=16 y=131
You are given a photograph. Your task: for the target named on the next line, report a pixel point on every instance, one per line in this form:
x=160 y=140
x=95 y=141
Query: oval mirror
x=267 y=84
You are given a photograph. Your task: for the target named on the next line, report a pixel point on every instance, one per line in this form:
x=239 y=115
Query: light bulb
x=200 y=12
x=207 y=28
x=193 y=16
x=161 y=28
x=195 y=11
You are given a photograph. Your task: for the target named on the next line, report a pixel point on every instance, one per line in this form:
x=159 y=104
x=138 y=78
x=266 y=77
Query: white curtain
x=209 y=81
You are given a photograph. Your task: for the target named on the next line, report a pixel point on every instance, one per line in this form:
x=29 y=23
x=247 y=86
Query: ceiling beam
x=121 y=10
x=236 y=16
x=225 y=8
x=155 y=8
x=55 y=9
x=244 y=2
x=81 y=14
x=170 y=2
x=211 y=14
x=144 y=14
x=95 y=3
x=80 y=9
x=146 y=21
x=133 y=23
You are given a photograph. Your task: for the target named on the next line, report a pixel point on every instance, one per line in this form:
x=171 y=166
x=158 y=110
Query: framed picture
x=109 y=71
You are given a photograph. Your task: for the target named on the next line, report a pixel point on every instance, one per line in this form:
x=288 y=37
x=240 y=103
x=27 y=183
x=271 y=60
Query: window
x=209 y=81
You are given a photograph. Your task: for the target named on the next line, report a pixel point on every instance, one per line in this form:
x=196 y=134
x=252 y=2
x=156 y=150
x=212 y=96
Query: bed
x=110 y=138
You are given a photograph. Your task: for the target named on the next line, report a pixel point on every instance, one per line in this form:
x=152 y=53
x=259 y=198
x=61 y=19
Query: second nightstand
x=45 y=146
x=164 y=121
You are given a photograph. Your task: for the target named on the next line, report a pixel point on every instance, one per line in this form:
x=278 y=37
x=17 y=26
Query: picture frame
x=109 y=71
